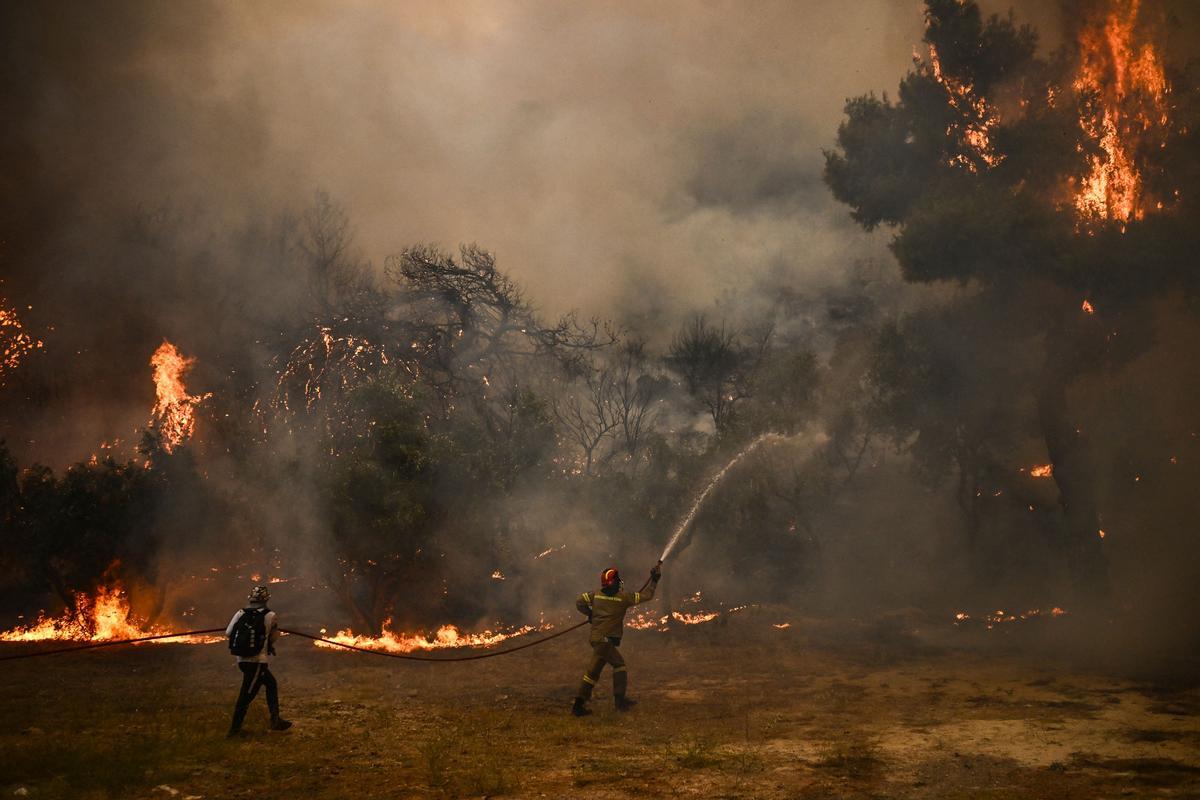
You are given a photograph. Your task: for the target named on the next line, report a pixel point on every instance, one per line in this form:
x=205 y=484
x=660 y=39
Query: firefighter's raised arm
x=648 y=593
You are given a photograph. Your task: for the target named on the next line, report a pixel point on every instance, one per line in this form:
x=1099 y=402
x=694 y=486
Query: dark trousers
x=254 y=677
x=605 y=652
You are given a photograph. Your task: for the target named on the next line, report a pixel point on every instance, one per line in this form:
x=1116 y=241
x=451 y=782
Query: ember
x=15 y=343
x=1000 y=617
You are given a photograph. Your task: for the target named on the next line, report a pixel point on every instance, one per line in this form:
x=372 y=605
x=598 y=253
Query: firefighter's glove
x=655 y=573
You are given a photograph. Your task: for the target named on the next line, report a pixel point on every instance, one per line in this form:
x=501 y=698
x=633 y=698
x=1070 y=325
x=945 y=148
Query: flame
x=1122 y=90
x=15 y=343
x=978 y=118
x=1041 y=471
x=174 y=409
x=446 y=637
x=100 y=618
x=648 y=621
x=1088 y=308
x=549 y=550
x=328 y=363
x=781 y=625
x=497 y=575
x=1001 y=617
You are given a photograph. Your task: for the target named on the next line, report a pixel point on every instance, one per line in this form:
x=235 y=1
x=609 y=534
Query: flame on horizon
x=446 y=637
x=102 y=617
x=1001 y=617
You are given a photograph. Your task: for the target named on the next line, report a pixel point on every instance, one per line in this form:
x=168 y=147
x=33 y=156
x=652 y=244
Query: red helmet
x=610 y=578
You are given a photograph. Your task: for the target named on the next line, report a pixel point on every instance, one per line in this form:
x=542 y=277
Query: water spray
x=716 y=479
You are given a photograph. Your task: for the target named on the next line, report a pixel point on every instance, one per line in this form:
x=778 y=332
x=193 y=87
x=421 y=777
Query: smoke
x=638 y=162
x=149 y=153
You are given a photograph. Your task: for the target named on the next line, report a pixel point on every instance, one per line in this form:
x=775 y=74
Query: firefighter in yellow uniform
x=606 y=610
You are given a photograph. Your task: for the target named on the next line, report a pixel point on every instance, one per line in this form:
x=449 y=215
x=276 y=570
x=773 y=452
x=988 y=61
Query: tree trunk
x=967 y=496
x=1074 y=475
x=362 y=618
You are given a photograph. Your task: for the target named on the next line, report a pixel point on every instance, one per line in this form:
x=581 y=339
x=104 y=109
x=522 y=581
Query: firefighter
x=606 y=611
x=252 y=634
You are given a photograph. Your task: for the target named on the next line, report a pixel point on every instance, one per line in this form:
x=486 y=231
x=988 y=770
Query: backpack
x=249 y=633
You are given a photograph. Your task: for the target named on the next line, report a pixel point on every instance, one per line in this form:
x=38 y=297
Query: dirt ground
x=738 y=710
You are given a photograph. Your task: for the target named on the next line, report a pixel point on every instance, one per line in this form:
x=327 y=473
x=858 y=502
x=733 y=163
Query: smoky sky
x=578 y=141
x=630 y=160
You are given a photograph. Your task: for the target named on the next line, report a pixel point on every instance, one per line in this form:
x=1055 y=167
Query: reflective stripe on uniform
x=589 y=679
x=621 y=668
x=637 y=597
x=587 y=598
x=606 y=597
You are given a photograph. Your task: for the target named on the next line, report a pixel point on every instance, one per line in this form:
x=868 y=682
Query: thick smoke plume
x=679 y=252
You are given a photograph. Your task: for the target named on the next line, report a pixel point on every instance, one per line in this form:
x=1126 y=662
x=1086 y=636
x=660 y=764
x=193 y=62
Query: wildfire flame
x=1001 y=617
x=100 y=618
x=978 y=118
x=174 y=409
x=1041 y=471
x=328 y=364
x=646 y=620
x=1088 y=308
x=1122 y=89
x=15 y=343
x=446 y=637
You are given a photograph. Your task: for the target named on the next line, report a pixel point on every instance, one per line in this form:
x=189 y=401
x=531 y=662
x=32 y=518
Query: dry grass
x=744 y=712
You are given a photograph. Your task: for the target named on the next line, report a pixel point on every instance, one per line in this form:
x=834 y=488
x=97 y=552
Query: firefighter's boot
x=579 y=709
x=278 y=723
x=623 y=703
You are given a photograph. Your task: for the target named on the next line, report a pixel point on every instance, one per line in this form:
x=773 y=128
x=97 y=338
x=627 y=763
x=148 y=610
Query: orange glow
x=446 y=637
x=15 y=343
x=1001 y=617
x=650 y=621
x=174 y=409
x=1102 y=534
x=104 y=617
x=1041 y=471
x=979 y=119
x=1088 y=308
x=1122 y=90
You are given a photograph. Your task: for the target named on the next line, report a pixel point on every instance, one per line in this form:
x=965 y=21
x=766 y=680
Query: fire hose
x=301 y=634
x=405 y=656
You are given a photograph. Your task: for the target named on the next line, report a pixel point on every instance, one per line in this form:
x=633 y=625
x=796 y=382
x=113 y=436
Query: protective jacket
x=607 y=611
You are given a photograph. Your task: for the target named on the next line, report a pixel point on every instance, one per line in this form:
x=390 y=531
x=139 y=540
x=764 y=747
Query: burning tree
x=15 y=341
x=427 y=405
x=1034 y=183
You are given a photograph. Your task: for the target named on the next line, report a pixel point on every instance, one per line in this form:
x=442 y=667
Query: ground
x=739 y=710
